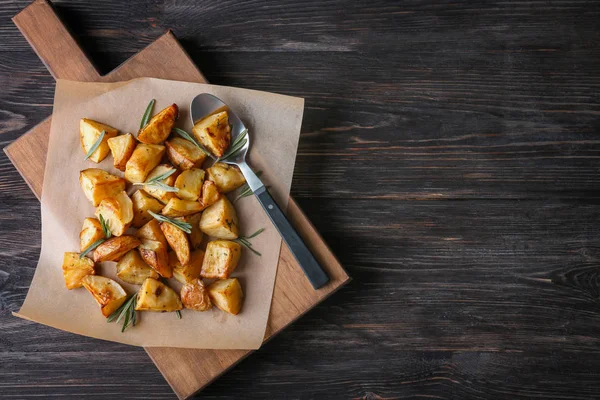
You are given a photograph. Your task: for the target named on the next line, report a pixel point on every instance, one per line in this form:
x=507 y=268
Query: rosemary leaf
x=255 y=234
x=156 y=182
x=105 y=228
x=162 y=176
x=178 y=314
x=95 y=146
x=147 y=114
x=244 y=193
x=245 y=190
x=162 y=186
x=248 y=246
x=184 y=226
x=189 y=137
x=244 y=241
x=91 y=247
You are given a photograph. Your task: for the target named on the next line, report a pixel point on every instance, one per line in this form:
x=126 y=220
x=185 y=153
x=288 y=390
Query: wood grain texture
x=187 y=371
x=449 y=156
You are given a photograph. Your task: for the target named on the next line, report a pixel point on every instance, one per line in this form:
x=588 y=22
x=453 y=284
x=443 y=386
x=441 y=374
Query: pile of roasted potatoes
x=176 y=223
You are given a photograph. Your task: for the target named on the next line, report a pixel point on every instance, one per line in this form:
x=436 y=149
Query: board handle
x=53 y=43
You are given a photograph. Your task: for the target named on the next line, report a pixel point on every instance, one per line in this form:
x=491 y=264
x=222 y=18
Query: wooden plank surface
x=186 y=370
x=449 y=156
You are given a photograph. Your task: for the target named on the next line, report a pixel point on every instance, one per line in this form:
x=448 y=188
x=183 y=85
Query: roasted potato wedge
x=157 y=193
x=178 y=241
x=89 y=132
x=189 y=184
x=108 y=294
x=221 y=259
x=115 y=248
x=184 y=154
x=196 y=235
x=220 y=220
x=157 y=130
x=75 y=269
x=226 y=177
x=132 y=269
x=210 y=193
x=195 y=296
x=227 y=295
x=152 y=231
x=142 y=203
x=117 y=211
x=144 y=159
x=154 y=253
x=214 y=133
x=122 y=147
x=156 y=296
x=91 y=231
x=98 y=184
x=191 y=270
x=181 y=208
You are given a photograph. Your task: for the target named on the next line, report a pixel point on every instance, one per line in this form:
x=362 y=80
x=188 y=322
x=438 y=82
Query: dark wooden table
x=450 y=156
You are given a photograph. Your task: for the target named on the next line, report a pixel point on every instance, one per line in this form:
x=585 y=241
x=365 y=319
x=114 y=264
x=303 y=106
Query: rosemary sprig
x=107 y=235
x=147 y=114
x=126 y=312
x=245 y=190
x=245 y=241
x=157 y=183
x=189 y=137
x=178 y=314
x=96 y=144
x=184 y=226
x=239 y=143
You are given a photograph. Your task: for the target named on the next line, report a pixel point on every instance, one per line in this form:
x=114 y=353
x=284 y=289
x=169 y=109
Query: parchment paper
x=273 y=122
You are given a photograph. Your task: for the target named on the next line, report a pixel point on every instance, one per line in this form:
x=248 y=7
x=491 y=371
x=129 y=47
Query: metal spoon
x=206 y=104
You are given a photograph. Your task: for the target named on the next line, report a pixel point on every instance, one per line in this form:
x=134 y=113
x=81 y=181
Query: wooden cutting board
x=186 y=370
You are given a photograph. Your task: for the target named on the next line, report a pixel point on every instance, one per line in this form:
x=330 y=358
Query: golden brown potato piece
x=156 y=296
x=114 y=248
x=122 y=147
x=152 y=231
x=191 y=270
x=89 y=132
x=142 y=203
x=214 y=133
x=210 y=193
x=227 y=295
x=157 y=193
x=98 y=184
x=220 y=220
x=226 y=177
x=132 y=269
x=184 y=154
x=117 y=211
x=144 y=159
x=154 y=253
x=181 y=208
x=178 y=241
x=196 y=235
x=195 y=296
x=221 y=259
x=159 y=127
x=90 y=232
x=75 y=268
x=108 y=294
x=189 y=184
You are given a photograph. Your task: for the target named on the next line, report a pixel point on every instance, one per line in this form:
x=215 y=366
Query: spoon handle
x=307 y=261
